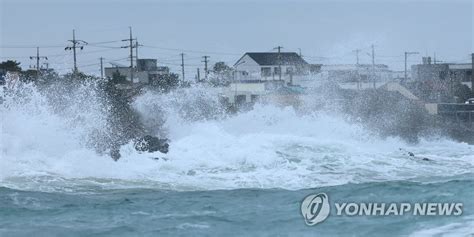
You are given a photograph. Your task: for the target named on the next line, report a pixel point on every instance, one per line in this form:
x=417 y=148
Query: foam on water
x=267 y=147
x=464 y=227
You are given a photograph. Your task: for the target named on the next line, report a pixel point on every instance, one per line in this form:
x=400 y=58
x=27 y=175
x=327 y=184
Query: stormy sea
x=239 y=174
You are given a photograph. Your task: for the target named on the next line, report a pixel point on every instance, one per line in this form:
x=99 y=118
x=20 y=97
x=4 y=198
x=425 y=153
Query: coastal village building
x=357 y=72
x=145 y=71
x=442 y=72
x=269 y=76
x=285 y=66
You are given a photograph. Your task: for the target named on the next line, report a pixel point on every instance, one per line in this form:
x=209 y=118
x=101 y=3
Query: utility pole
x=131 y=54
x=182 y=65
x=357 y=51
x=373 y=64
x=205 y=66
x=406 y=57
x=279 y=61
x=38 y=58
x=472 y=74
x=198 y=76
x=131 y=46
x=136 y=52
x=101 y=68
x=75 y=44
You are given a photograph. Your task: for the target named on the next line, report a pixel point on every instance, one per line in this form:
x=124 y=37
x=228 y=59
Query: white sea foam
x=464 y=227
x=267 y=147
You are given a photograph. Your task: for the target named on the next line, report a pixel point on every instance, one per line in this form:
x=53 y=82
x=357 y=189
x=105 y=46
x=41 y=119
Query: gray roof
x=264 y=59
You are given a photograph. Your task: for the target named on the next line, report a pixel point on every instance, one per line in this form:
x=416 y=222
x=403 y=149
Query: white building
x=258 y=67
x=357 y=72
x=145 y=71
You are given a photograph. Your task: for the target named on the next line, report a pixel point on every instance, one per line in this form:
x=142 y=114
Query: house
x=145 y=71
x=259 y=67
x=442 y=72
x=357 y=72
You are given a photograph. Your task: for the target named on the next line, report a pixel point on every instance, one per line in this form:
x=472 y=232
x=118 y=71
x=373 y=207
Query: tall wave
x=47 y=143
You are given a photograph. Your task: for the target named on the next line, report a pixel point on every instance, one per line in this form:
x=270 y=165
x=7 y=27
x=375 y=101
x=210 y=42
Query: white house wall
x=247 y=64
x=254 y=70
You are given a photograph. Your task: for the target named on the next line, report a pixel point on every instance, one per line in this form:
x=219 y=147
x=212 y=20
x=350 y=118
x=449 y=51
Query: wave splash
x=46 y=144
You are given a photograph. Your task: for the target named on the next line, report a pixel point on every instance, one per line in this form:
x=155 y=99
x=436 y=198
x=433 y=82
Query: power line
x=96 y=51
x=9 y=57
x=191 y=51
x=105 y=42
x=104 y=46
x=98 y=63
x=29 y=47
x=178 y=64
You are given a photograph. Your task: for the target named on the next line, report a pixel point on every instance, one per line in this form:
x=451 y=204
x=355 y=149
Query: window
x=266 y=71
x=277 y=70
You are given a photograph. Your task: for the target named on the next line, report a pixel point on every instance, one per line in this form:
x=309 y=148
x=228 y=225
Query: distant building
x=357 y=72
x=428 y=71
x=145 y=71
x=461 y=72
x=122 y=70
x=400 y=75
x=266 y=66
x=440 y=72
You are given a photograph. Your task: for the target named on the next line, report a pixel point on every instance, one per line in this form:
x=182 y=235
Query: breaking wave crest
x=46 y=145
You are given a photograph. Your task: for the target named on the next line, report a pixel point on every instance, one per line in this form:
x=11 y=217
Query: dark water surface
x=241 y=212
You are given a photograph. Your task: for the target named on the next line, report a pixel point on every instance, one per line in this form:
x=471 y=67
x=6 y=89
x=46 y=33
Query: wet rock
x=115 y=154
x=151 y=144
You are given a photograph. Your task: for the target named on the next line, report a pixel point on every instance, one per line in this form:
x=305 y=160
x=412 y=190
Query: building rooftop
x=287 y=58
x=465 y=66
x=351 y=66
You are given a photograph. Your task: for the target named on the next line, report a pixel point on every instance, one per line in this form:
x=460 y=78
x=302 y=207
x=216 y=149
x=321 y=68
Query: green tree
x=11 y=66
x=222 y=74
x=221 y=68
x=462 y=92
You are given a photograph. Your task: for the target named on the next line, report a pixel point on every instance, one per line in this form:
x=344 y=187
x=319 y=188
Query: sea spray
x=267 y=147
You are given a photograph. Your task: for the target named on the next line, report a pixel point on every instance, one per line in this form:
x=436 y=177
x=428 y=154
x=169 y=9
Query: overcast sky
x=326 y=31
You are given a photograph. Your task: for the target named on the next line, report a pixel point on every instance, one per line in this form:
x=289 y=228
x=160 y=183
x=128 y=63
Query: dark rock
x=115 y=154
x=151 y=144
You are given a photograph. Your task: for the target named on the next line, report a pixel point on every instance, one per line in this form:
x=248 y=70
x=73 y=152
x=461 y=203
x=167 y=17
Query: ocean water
x=240 y=175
